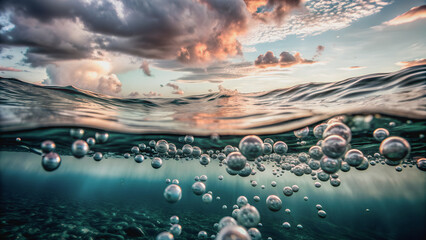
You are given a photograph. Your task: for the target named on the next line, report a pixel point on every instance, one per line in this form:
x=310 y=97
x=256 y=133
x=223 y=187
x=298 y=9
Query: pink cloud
x=9 y=69
x=406 y=64
x=412 y=15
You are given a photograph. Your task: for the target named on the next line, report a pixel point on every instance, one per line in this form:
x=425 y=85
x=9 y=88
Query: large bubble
x=248 y=216
x=162 y=146
x=48 y=146
x=51 y=161
x=354 y=157
x=198 y=188
x=395 y=148
x=302 y=133
x=274 y=203
x=334 y=146
x=233 y=233
x=315 y=152
x=227 y=221
x=330 y=165
x=280 y=148
x=380 y=134
x=79 y=148
x=319 y=130
x=421 y=164
x=172 y=193
x=236 y=161
x=339 y=129
x=156 y=162
x=251 y=147
x=165 y=236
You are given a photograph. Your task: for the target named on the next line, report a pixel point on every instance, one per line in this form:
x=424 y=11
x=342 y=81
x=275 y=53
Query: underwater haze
x=75 y=164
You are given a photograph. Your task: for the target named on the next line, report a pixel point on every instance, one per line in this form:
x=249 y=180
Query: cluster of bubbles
x=324 y=161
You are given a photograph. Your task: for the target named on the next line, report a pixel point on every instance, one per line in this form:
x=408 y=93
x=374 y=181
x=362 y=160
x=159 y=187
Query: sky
x=164 y=48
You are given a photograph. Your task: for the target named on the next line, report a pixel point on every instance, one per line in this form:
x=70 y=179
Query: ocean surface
x=120 y=168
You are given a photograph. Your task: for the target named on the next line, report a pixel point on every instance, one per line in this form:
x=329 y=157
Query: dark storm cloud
x=267 y=59
x=192 y=31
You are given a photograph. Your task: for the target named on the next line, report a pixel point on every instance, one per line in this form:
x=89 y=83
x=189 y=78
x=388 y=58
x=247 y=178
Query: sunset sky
x=173 y=48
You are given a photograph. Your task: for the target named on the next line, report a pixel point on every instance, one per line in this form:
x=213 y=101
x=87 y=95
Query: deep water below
x=103 y=200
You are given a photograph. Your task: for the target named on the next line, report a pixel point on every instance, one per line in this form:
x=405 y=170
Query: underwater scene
x=212 y=119
x=342 y=160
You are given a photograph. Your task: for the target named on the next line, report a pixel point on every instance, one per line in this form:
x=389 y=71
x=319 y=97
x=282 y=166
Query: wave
x=26 y=106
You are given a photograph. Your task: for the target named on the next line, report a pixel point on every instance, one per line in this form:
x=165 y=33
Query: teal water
x=117 y=198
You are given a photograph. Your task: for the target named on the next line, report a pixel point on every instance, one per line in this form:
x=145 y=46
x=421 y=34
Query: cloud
x=286 y=59
x=133 y=95
x=313 y=18
x=353 y=68
x=266 y=60
x=406 y=64
x=145 y=68
x=9 y=69
x=320 y=49
x=271 y=10
x=9 y=57
x=412 y=15
x=188 y=30
x=152 y=94
x=86 y=74
x=214 y=73
x=176 y=89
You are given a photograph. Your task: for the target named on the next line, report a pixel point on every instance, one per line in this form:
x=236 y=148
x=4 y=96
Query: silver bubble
x=176 y=230
x=286 y=225
x=139 y=158
x=165 y=236
x=274 y=203
x=79 y=148
x=339 y=129
x=280 y=148
x=380 y=134
x=172 y=193
x=233 y=232
x=91 y=141
x=354 y=157
x=198 y=188
x=204 y=159
x=319 y=130
x=101 y=137
x=207 y=198
x=156 y=162
x=254 y=234
x=330 y=165
x=48 y=146
x=248 y=216
x=322 y=214
x=251 y=147
x=302 y=133
x=287 y=191
x=162 y=146
x=226 y=221
x=76 y=133
x=315 y=152
x=188 y=139
x=242 y=201
x=421 y=164
x=174 y=219
x=395 y=148
x=334 y=146
x=98 y=156
x=51 y=161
